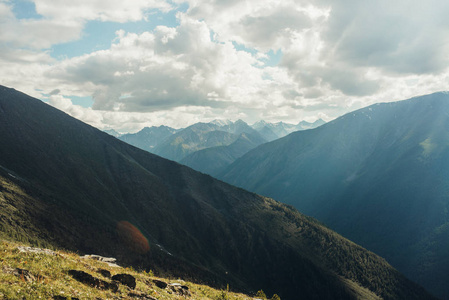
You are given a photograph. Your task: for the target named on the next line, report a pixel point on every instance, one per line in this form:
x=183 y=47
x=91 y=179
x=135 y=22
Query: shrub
x=260 y=294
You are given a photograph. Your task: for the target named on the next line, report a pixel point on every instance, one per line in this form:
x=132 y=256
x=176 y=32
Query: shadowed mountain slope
x=378 y=175
x=66 y=184
x=214 y=160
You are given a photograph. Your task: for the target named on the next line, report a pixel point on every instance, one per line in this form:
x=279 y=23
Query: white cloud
x=167 y=68
x=103 y=10
x=87 y=115
x=336 y=56
x=399 y=37
x=64 y=20
x=264 y=25
x=32 y=33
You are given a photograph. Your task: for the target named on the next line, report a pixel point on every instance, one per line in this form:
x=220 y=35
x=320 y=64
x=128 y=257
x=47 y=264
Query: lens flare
x=132 y=237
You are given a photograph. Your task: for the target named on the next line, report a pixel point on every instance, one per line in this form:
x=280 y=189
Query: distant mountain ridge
x=149 y=137
x=378 y=175
x=175 y=144
x=66 y=184
x=210 y=147
x=273 y=131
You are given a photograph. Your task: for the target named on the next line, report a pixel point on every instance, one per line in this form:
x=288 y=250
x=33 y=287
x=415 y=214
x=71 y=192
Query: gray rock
x=179 y=289
x=125 y=279
x=36 y=250
x=21 y=273
x=160 y=284
x=109 y=260
x=88 y=279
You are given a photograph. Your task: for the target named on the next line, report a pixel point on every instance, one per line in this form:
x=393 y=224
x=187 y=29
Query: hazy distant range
x=210 y=147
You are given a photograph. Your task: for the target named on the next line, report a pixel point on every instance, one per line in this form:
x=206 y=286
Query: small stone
x=160 y=284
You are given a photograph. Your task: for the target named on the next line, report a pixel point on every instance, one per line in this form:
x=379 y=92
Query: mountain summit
x=378 y=175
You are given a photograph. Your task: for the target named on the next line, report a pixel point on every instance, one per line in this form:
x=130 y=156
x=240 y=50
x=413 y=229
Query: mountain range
x=68 y=185
x=202 y=136
x=147 y=138
x=273 y=131
x=378 y=175
x=209 y=147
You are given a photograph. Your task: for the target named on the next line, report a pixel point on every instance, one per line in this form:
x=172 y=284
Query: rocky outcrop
x=160 y=284
x=36 y=250
x=179 y=289
x=125 y=279
x=88 y=279
x=111 y=261
x=23 y=274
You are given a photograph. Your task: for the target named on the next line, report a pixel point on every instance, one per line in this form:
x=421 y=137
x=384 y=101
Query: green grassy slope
x=50 y=271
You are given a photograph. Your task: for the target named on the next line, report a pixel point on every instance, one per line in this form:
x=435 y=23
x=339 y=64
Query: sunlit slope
x=379 y=176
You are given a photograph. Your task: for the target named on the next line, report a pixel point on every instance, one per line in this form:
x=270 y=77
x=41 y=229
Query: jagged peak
x=221 y=122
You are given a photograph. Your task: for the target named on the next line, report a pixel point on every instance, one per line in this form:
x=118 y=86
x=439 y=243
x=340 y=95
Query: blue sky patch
x=82 y=101
x=23 y=9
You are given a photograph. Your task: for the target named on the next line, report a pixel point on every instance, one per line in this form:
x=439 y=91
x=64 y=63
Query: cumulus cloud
x=64 y=20
x=34 y=33
x=338 y=44
x=399 y=37
x=167 y=68
x=103 y=10
x=264 y=25
x=336 y=56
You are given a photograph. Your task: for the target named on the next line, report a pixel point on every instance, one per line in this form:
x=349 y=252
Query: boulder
x=125 y=279
x=181 y=290
x=88 y=279
x=160 y=284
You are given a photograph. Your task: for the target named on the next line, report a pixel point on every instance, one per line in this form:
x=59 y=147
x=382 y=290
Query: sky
x=125 y=65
